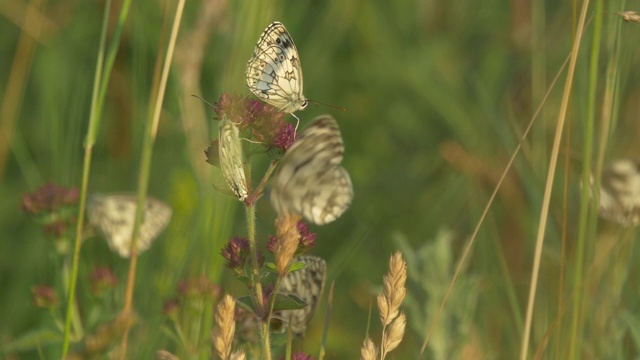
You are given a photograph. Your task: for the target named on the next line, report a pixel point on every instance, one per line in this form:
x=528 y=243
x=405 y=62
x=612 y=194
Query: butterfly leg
x=297 y=121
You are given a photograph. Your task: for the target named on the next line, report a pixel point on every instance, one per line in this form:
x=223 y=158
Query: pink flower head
x=102 y=280
x=307 y=238
x=232 y=106
x=271 y=244
x=285 y=137
x=170 y=307
x=49 y=198
x=44 y=296
x=300 y=356
x=306 y=242
x=236 y=253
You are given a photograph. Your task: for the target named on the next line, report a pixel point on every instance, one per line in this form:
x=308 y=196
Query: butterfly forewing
x=274 y=73
x=307 y=284
x=310 y=181
x=620 y=193
x=231 y=158
x=114 y=216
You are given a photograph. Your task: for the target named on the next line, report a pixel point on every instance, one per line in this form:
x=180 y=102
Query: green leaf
x=288 y=302
x=297 y=266
x=270 y=267
x=33 y=340
x=246 y=302
x=243 y=278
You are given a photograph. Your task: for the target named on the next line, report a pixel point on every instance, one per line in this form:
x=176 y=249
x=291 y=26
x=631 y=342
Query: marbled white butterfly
x=114 y=214
x=620 y=192
x=274 y=73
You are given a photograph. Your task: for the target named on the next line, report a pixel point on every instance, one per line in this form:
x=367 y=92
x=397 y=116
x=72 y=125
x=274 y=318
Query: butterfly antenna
x=203 y=100
x=329 y=105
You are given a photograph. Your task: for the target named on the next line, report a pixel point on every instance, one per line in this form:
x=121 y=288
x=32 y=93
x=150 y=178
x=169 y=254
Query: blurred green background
x=437 y=95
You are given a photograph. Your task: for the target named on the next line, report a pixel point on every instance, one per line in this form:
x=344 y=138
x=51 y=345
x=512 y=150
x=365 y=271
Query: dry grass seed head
x=165 y=355
x=238 y=355
x=222 y=337
x=383 y=309
x=368 y=350
x=288 y=239
x=394 y=289
x=395 y=332
x=629 y=16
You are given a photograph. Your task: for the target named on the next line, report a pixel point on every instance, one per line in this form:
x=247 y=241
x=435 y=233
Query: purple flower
x=264 y=122
x=300 y=356
x=44 y=296
x=56 y=228
x=170 y=307
x=285 y=137
x=271 y=244
x=232 y=106
x=306 y=242
x=307 y=238
x=236 y=253
x=266 y=292
x=102 y=280
x=49 y=198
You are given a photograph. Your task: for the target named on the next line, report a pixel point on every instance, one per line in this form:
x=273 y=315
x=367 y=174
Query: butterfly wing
x=274 y=73
x=308 y=285
x=113 y=219
x=157 y=215
x=329 y=198
x=620 y=193
x=231 y=158
x=310 y=180
x=114 y=215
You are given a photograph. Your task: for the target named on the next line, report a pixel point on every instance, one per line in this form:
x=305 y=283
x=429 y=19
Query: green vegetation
x=438 y=95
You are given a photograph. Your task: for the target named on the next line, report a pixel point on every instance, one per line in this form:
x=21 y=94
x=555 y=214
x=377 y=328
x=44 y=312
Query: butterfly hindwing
x=308 y=285
x=620 y=192
x=310 y=180
x=231 y=158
